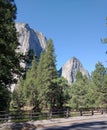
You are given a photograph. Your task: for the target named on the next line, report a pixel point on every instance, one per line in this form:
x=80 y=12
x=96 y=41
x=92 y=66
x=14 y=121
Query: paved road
x=96 y=122
x=88 y=123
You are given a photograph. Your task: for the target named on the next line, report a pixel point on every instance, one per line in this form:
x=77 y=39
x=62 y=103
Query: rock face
x=69 y=70
x=30 y=39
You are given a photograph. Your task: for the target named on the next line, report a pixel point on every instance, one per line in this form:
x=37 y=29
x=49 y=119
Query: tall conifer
x=30 y=87
x=9 y=59
x=46 y=74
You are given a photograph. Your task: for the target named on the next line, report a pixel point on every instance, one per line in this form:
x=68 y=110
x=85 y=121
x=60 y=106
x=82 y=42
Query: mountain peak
x=70 y=68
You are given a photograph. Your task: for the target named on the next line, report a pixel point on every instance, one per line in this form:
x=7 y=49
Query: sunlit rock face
x=70 y=68
x=30 y=39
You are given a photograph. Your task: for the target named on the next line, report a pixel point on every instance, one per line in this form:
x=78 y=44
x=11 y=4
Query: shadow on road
x=99 y=125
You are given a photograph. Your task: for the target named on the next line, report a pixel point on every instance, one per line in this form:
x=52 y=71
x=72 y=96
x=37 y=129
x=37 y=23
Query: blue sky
x=75 y=26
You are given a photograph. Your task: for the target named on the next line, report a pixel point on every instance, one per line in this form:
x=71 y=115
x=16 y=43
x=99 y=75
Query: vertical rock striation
x=30 y=39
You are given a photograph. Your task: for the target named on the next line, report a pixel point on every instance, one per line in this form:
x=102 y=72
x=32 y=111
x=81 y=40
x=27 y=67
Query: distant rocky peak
x=70 y=68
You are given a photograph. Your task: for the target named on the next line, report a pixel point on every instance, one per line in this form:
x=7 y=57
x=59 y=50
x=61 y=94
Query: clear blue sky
x=75 y=26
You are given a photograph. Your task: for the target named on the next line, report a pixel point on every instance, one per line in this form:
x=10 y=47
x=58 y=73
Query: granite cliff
x=30 y=39
x=70 y=68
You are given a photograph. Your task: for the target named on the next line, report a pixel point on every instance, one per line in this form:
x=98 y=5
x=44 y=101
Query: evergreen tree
x=78 y=92
x=9 y=59
x=18 y=99
x=4 y=99
x=98 y=74
x=91 y=95
x=46 y=73
x=98 y=77
x=30 y=85
x=50 y=73
x=104 y=92
x=61 y=92
x=79 y=76
x=40 y=82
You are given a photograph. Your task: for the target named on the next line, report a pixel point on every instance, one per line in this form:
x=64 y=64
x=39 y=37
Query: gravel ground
x=43 y=124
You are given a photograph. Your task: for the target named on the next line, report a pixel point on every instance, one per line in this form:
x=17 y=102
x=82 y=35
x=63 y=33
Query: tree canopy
x=9 y=58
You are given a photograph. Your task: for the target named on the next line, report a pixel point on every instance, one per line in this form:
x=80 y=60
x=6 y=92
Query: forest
x=40 y=87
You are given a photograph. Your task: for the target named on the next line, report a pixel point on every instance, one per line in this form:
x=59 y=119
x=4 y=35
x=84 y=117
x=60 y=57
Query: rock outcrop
x=30 y=39
x=70 y=68
x=36 y=41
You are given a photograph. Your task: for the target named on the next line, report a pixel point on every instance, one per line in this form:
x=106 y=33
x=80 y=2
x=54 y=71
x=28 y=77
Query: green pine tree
x=30 y=85
x=40 y=82
x=46 y=73
x=9 y=59
x=98 y=77
x=50 y=73
x=18 y=100
x=61 y=92
x=78 y=92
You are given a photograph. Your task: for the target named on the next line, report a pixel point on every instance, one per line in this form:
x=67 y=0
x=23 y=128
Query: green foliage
x=29 y=57
x=18 y=96
x=61 y=92
x=46 y=73
x=91 y=95
x=50 y=72
x=9 y=59
x=79 y=76
x=42 y=90
x=30 y=87
x=4 y=98
x=99 y=77
x=79 y=92
x=98 y=74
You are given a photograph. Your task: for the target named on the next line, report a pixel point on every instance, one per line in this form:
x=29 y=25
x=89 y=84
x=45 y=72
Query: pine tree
x=50 y=73
x=104 y=92
x=30 y=85
x=46 y=73
x=18 y=99
x=98 y=77
x=78 y=92
x=61 y=92
x=40 y=82
x=9 y=59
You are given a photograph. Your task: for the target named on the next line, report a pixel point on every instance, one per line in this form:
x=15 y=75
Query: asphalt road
x=98 y=123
